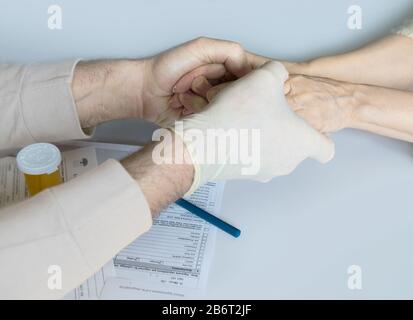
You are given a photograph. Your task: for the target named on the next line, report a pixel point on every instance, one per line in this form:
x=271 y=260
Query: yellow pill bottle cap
x=39 y=158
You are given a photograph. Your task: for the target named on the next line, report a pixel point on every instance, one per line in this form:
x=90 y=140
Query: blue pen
x=209 y=217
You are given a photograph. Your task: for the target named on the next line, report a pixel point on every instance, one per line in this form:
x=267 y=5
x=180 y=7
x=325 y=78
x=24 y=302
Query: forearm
x=383 y=111
x=161 y=184
x=387 y=62
x=107 y=90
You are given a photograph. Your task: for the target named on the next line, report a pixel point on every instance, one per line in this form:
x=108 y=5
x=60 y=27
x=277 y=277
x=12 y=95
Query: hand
x=325 y=104
x=174 y=70
x=198 y=88
x=255 y=102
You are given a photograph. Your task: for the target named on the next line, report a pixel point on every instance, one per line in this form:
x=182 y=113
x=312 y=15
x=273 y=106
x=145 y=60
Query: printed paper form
x=92 y=288
x=171 y=260
x=12 y=187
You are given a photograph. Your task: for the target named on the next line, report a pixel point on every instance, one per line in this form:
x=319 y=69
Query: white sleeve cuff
x=47 y=105
x=105 y=210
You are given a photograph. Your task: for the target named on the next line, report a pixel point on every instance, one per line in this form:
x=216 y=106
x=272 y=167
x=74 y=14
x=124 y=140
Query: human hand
x=172 y=72
x=198 y=88
x=327 y=105
x=191 y=90
x=255 y=102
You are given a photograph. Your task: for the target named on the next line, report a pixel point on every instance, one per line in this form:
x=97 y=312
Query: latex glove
x=256 y=101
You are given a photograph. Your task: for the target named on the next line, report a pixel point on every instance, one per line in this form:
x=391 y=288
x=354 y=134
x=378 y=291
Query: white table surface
x=301 y=232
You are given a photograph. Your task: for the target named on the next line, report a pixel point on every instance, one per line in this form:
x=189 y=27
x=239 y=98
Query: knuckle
x=237 y=47
x=201 y=40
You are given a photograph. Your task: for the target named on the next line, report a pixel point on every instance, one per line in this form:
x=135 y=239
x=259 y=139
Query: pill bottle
x=40 y=163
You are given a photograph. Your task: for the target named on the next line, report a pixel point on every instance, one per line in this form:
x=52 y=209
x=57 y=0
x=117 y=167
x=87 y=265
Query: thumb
x=215 y=90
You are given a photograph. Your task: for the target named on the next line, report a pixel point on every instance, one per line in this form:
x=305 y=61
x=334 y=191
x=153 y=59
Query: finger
x=167 y=118
x=215 y=82
x=256 y=61
x=174 y=102
x=228 y=77
x=209 y=51
x=287 y=87
x=209 y=71
x=201 y=86
x=215 y=90
x=229 y=53
x=192 y=102
x=186 y=112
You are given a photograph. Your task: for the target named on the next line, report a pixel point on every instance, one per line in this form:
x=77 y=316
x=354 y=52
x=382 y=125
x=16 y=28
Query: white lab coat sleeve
x=65 y=234
x=36 y=104
x=71 y=230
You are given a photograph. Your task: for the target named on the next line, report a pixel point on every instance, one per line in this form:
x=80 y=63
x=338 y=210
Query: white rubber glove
x=256 y=101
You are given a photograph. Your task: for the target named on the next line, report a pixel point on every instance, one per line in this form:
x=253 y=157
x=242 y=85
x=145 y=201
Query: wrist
x=319 y=67
x=161 y=184
x=297 y=68
x=359 y=105
x=107 y=90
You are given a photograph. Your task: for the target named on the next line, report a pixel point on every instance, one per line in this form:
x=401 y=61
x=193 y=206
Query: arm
x=173 y=179
x=106 y=90
x=82 y=224
x=37 y=103
x=372 y=91
x=387 y=62
x=383 y=111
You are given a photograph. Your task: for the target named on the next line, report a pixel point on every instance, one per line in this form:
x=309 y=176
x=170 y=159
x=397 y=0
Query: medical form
x=173 y=258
